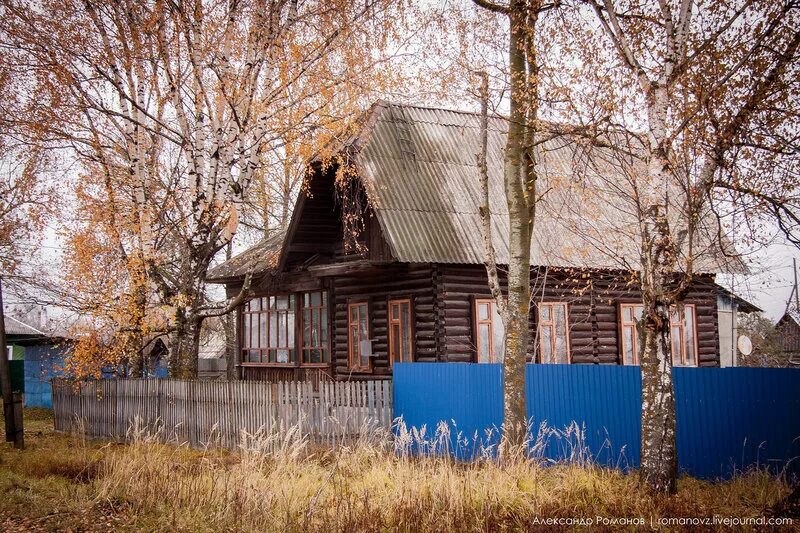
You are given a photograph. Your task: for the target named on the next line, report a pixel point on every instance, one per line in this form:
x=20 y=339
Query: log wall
x=592 y=298
x=442 y=299
x=396 y=281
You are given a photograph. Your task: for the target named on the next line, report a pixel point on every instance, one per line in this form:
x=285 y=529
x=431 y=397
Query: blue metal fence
x=728 y=418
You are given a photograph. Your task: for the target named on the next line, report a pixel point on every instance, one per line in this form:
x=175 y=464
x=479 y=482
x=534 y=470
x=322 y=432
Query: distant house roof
x=788 y=320
x=743 y=305
x=212 y=346
x=15 y=326
x=261 y=258
x=418 y=166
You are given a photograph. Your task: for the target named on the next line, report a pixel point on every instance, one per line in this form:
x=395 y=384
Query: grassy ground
x=65 y=483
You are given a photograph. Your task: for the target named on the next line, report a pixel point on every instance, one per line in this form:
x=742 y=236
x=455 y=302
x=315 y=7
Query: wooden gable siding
x=377 y=287
x=593 y=301
x=317 y=229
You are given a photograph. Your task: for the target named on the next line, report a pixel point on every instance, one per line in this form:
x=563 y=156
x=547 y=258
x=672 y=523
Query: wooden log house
x=383 y=262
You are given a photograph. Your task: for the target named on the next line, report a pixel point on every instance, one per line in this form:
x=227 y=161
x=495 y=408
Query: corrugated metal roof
x=261 y=258
x=15 y=326
x=420 y=169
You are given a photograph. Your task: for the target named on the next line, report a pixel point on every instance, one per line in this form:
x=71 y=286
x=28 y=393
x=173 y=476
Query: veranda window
x=315 y=349
x=268 y=327
x=683 y=334
x=359 y=348
x=489 y=331
x=400 y=343
x=553 y=332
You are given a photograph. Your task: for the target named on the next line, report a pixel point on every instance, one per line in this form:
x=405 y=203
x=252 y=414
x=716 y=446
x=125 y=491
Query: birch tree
x=695 y=103
x=519 y=178
x=177 y=103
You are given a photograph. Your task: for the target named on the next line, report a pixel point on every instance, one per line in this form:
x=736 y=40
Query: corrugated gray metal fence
x=223 y=413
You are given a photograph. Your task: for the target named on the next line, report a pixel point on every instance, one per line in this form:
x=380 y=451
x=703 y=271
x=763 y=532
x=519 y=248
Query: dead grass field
x=63 y=483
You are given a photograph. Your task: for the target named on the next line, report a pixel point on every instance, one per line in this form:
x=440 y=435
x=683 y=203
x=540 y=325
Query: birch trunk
x=230 y=332
x=659 y=458
x=520 y=229
x=659 y=252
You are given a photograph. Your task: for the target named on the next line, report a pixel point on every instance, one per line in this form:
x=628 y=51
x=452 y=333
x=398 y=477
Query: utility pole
x=12 y=401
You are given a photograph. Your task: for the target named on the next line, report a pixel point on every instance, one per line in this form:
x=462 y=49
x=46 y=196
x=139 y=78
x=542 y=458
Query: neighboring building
x=384 y=263
x=729 y=306
x=789 y=338
x=42 y=351
x=212 y=363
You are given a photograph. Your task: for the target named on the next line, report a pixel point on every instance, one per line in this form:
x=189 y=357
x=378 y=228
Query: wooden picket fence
x=224 y=413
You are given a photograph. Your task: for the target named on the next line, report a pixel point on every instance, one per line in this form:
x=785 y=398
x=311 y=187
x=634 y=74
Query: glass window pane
x=353 y=313
x=283 y=355
x=245 y=331
x=560 y=356
x=676 y=338
x=546 y=344
x=363 y=334
x=499 y=344
x=560 y=319
x=638 y=311
x=290 y=328
x=324 y=298
x=315 y=340
x=354 y=347
x=307 y=328
x=273 y=330
x=324 y=329
x=316 y=299
x=627 y=313
x=253 y=330
x=262 y=329
x=397 y=354
x=483 y=343
x=499 y=333
x=281 y=329
x=627 y=344
x=483 y=311
x=544 y=312
x=405 y=327
x=689 y=332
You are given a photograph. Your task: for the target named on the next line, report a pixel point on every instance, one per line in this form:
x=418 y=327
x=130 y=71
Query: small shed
x=40 y=354
x=789 y=334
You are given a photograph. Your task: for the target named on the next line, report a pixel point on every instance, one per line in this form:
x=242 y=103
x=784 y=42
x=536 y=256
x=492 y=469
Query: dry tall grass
x=368 y=486
x=284 y=483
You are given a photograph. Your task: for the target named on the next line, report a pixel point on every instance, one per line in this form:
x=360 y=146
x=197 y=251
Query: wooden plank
x=220 y=413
